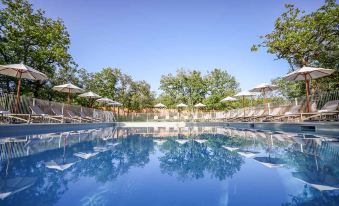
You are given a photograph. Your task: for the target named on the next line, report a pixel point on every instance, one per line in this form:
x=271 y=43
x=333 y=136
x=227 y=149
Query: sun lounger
x=273 y=113
x=7 y=114
x=233 y=116
x=37 y=112
x=88 y=118
x=329 y=109
x=292 y=113
x=58 y=112
x=249 y=115
x=75 y=117
x=259 y=114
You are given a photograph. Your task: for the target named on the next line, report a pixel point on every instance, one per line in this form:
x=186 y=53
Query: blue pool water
x=169 y=166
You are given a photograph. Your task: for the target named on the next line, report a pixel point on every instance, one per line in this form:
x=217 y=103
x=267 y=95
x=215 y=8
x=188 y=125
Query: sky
x=149 y=38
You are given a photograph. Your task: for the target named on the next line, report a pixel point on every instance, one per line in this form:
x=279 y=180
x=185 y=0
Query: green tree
x=29 y=37
x=307 y=40
x=114 y=84
x=191 y=87
x=219 y=85
x=187 y=86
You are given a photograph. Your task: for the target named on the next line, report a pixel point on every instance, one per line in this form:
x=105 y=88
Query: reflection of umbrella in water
x=182 y=141
x=100 y=149
x=319 y=181
x=247 y=154
x=84 y=155
x=11 y=186
x=113 y=144
x=231 y=148
x=61 y=167
x=159 y=141
x=201 y=141
x=270 y=162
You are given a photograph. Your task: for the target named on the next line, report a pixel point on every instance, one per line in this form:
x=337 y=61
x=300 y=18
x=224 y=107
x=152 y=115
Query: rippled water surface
x=169 y=166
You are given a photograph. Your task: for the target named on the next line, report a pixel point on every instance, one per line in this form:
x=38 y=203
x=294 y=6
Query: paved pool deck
x=315 y=128
x=320 y=128
x=10 y=130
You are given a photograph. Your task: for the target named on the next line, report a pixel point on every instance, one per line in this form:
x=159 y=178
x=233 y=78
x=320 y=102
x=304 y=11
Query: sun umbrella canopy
x=264 y=87
x=308 y=73
x=244 y=94
x=105 y=100
x=159 y=105
x=90 y=95
x=199 y=105
x=22 y=71
x=228 y=99
x=182 y=105
x=114 y=103
x=68 y=88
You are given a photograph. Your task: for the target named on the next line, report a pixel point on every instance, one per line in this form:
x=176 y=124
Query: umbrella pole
x=307 y=94
x=18 y=94
x=243 y=104
x=265 y=101
x=69 y=96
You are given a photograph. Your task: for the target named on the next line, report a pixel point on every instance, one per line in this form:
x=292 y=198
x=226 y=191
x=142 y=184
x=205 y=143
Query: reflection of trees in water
x=193 y=160
x=312 y=197
x=52 y=184
x=316 y=164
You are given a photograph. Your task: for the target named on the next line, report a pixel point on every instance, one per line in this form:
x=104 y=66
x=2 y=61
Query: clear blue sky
x=148 y=38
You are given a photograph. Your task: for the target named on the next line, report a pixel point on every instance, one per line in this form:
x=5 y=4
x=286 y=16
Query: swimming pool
x=169 y=166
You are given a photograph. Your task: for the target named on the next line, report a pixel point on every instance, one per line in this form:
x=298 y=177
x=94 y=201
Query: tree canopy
x=306 y=39
x=28 y=36
x=191 y=87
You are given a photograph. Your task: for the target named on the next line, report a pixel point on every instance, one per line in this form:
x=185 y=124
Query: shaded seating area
x=32 y=110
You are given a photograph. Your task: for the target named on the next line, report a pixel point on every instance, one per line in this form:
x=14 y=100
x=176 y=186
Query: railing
x=23 y=111
x=282 y=106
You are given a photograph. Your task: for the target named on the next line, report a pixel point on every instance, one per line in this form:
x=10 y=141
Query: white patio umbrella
x=68 y=88
x=116 y=104
x=199 y=105
x=182 y=105
x=105 y=100
x=21 y=71
x=307 y=74
x=228 y=99
x=243 y=95
x=90 y=96
x=160 y=105
x=264 y=88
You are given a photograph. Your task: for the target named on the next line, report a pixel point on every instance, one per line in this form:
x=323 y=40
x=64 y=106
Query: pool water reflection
x=169 y=166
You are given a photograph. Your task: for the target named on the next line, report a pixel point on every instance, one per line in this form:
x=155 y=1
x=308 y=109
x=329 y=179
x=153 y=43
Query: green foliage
x=186 y=86
x=29 y=37
x=306 y=40
x=114 y=84
x=219 y=85
x=191 y=87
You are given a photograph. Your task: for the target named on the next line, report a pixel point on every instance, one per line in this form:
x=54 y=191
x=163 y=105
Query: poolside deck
x=320 y=128
x=10 y=130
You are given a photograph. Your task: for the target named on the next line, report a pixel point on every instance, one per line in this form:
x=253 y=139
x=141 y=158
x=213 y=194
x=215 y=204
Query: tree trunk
x=8 y=86
x=37 y=86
